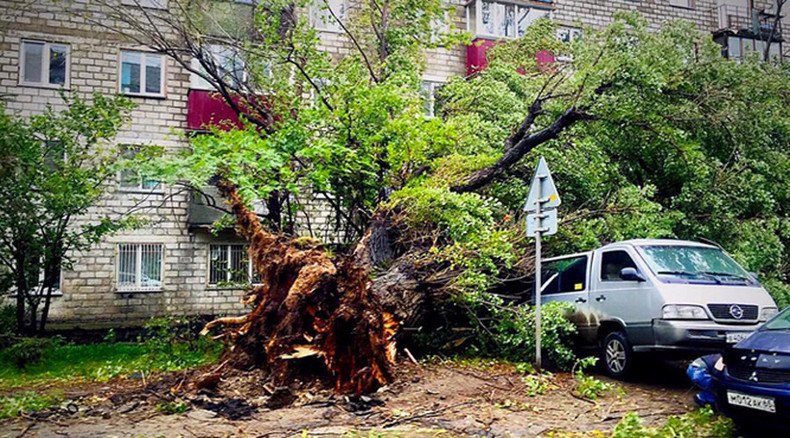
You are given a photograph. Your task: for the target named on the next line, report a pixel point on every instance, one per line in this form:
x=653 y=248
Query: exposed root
x=312 y=316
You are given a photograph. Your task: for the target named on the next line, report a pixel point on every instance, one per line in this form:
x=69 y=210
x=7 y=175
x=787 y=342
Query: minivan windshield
x=694 y=264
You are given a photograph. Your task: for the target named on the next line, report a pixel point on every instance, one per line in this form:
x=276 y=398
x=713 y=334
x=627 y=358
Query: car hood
x=769 y=341
x=703 y=294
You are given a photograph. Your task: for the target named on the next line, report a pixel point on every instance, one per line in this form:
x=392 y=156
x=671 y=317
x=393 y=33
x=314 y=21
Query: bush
x=779 y=291
x=172 y=344
x=512 y=336
x=588 y=386
x=30 y=351
x=7 y=320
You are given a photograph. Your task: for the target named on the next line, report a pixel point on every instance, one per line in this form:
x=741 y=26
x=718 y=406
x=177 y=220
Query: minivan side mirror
x=631 y=274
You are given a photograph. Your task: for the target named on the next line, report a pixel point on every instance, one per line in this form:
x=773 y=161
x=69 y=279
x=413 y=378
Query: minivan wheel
x=616 y=355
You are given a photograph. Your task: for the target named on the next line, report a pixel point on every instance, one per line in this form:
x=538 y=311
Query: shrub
x=513 y=334
x=30 y=351
x=172 y=344
x=7 y=320
x=779 y=291
x=588 y=386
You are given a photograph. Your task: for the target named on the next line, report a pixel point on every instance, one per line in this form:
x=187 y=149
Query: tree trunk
x=312 y=316
x=20 y=282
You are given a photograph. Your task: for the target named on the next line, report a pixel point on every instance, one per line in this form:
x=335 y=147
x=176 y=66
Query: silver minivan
x=666 y=296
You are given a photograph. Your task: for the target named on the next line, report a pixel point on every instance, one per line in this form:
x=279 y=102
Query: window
x=54 y=155
x=321 y=14
x=55 y=281
x=734 y=48
x=693 y=263
x=44 y=283
x=139 y=266
x=682 y=3
x=229 y=264
x=142 y=73
x=565 y=275
x=151 y=4
x=230 y=67
x=612 y=263
x=44 y=64
x=501 y=19
x=568 y=34
x=131 y=180
x=428 y=92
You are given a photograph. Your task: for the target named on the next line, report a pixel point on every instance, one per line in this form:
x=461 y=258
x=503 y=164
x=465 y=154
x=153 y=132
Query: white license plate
x=751 y=401
x=734 y=338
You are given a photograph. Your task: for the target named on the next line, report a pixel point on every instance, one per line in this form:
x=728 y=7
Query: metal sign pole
x=541 y=208
x=539 y=231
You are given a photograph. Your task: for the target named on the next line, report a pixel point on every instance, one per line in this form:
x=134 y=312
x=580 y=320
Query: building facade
x=174 y=265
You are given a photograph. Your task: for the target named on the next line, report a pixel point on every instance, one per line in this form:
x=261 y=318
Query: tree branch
x=485 y=176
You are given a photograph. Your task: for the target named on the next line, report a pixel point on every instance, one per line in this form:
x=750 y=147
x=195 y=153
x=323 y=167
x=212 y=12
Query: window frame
x=159 y=189
x=430 y=99
x=690 y=4
x=147 y=4
x=228 y=284
x=320 y=25
x=600 y=271
x=45 y=63
x=137 y=287
x=143 y=57
x=587 y=267
x=474 y=17
x=215 y=51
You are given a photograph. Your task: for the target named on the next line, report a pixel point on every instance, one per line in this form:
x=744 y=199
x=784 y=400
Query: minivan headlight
x=768 y=313
x=683 y=311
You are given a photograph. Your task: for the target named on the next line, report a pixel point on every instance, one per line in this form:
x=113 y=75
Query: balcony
x=744 y=20
x=492 y=20
x=206 y=109
x=207 y=206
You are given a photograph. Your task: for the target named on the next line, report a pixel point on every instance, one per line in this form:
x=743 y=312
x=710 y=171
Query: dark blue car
x=751 y=381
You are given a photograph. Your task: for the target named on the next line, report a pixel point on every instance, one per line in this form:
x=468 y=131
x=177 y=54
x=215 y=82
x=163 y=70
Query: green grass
x=27 y=401
x=103 y=361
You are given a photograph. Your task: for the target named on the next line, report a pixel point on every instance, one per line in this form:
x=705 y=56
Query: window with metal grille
x=229 y=265
x=139 y=266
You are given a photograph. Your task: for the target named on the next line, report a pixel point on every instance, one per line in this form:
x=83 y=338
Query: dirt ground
x=425 y=400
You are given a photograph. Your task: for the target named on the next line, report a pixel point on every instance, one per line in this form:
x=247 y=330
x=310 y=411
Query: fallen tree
x=430 y=207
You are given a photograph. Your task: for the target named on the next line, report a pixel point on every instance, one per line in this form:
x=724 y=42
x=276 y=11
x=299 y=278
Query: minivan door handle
x=601 y=298
x=581 y=300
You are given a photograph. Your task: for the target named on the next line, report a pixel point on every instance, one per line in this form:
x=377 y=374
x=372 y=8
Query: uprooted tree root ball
x=312 y=316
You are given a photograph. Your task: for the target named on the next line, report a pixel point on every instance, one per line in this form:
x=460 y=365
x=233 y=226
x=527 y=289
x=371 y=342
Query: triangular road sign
x=542 y=189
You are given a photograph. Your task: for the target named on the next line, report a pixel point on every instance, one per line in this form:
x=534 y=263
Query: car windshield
x=780 y=321
x=695 y=263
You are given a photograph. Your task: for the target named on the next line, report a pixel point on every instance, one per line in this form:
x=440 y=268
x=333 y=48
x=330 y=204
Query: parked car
x=751 y=381
x=656 y=296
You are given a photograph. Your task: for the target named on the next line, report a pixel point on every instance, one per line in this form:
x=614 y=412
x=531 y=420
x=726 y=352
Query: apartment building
x=175 y=265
